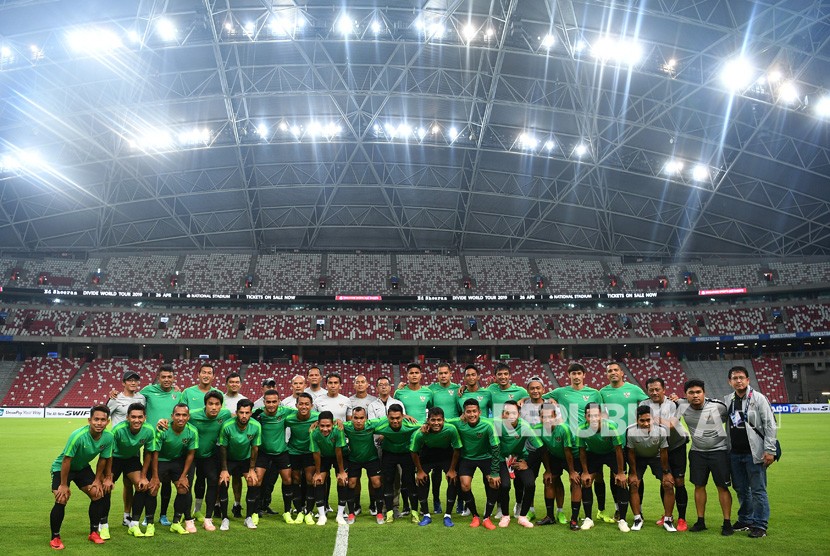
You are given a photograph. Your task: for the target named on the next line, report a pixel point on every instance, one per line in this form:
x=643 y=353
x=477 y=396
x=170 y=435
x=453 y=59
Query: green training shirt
x=209 y=430
x=82 y=448
x=511 y=393
x=477 y=440
x=195 y=398
x=482 y=396
x=416 y=402
x=326 y=445
x=238 y=442
x=573 y=402
x=396 y=441
x=362 y=442
x=446 y=399
x=159 y=402
x=621 y=403
x=602 y=441
x=127 y=444
x=557 y=440
x=514 y=440
x=273 y=429
x=300 y=440
x=172 y=446
x=447 y=437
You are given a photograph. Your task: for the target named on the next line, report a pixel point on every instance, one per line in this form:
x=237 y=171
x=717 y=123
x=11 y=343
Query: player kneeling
x=436 y=446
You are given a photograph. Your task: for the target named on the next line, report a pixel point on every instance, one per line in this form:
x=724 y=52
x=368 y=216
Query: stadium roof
x=658 y=128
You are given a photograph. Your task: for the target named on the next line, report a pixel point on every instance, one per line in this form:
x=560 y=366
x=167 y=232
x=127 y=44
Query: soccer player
x=530 y=411
x=436 y=448
x=361 y=397
x=194 y=396
x=363 y=455
x=173 y=463
x=514 y=435
x=233 y=384
x=267 y=384
x=752 y=438
x=272 y=456
x=503 y=389
x=709 y=453
x=209 y=422
x=129 y=437
x=297 y=387
x=315 y=379
x=161 y=397
x=239 y=443
x=601 y=443
x=479 y=450
x=664 y=412
x=333 y=401
x=118 y=413
x=563 y=455
x=416 y=397
x=573 y=399
x=647 y=446
x=72 y=465
x=472 y=390
x=445 y=396
x=299 y=455
x=397 y=436
x=327 y=444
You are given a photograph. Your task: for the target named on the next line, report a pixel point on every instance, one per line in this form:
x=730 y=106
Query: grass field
x=798 y=490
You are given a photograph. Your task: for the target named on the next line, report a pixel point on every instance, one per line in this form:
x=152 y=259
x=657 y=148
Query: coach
x=751 y=435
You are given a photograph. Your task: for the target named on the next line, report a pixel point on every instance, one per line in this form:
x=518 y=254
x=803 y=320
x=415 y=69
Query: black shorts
x=170 y=471
x=467 y=467
x=428 y=465
x=677 y=462
x=330 y=462
x=125 y=466
x=278 y=461
x=237 y=468
x=596 y=461
x=82 y=478
x=557 y=465
x=654 y=463
x=702 y=463
x=355 y=468
x=207 y=468
x=298 y=462
x=534 y=460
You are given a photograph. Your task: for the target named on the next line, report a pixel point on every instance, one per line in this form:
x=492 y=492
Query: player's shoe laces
x=436 y=507
x=322 y=520
x=448 y=521
x=237 y=510
x=524 y=522
x=574 y=526
x=587 y=523
x=682 y=525
x=287 y=518
x=225 y=525
x=561 y=517
x=163 y=521
x=415 y=517
x=488 y=524
x=504 y=521
x=104 y=532
x=190 y=526
x=208 y=525
x=151 y=530
x=668 y=525
x=199 y=516
x=95 y=538
x=475 y=522
x=390 y=516
x=547 y=520
x=57 y=543
x=135 y=531
x=740 y=526
x=757 y=533
x=638 y=524
x=341 y=520
x=622 y=525
x=249 y=523
x=602 y=516
x=309 y=519
x=177 y=528
x=426 y=520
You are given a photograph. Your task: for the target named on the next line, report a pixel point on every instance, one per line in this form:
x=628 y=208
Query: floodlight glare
x=787 y=92
x=345 y=25
x=93 y=41
x=167 y=30
x=404 y=129
x=9 y=163
x=823 y=107
x=5 y=52
x=581 y=150
x=229 y=27
x=489 y=32
x=548 y=40
x=673 y=167
x=700 y=172
x=153 y=139
x=672 y=63
x=469 y=32
x=774 y=76
x=134 y=37
x=421 y=133
x=375 y=26
x=281 y=26
x=262 y=130
x=194 y=136
x=453 y=133
x=283 y=126
x=436 y=129
x=436 y=29
x=528 y=141
x=737 y=74
x=249 y=28
x=549 y=144
x=628 y=52
x=295 y=130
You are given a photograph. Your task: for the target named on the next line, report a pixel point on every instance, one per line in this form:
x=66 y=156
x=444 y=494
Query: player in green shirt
x=397 y=435
x=515 y=435
x=563 y=455
x=363 y=454
x=209 y=422
x=503 y=390
x=72 y=465
x=472 y=390
x=601 y=443
x=174 y=451
x=130 y=436
x=327 y=444
x=272 y=456
x=436 y=447
x=194 y=396
x=299 y=454
x=479 y=450
x=573 y=398
x=445 y=396
x=416 y=397
x=239 y=442
x=160 y=398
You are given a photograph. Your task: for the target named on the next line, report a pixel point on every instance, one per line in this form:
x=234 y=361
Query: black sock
x=588 y=502
x=310 y=501
x=251 y=501
x=701 y=521
x=95 y=508
x=682 y=498
x=549 y=506
x=287 y=496
x=56 y=519
x=139 y=501
x=599 y=488
x=575 y=511
x=470 y=502
x=103 y=518
x=727 y=523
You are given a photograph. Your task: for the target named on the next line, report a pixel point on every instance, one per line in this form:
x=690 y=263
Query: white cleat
x=226 y=524
x=638 y=524
x=623 y=526
x=668 y=525
x=322 y=520
x=587 y=523
x=249 y=523
x=341 y=520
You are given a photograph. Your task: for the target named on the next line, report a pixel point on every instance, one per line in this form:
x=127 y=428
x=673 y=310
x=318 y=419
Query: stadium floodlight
x=283 y=126
x=166 y=29
x=9 y=163
x=528 y=141
x=673 y=167
x=436 y=130
x=581 y=150
x=195 y=136
x=774 y=76
x=134 y=36
x=700 y=172
x=296 y=130
x=580 y=46
x=37 y=52
x=787 y=92
x=422 y=132
x=623 y=51
x=249 y=29
x=489 y=32
x=469 y=32
x=376 y=26
x=153 y=140
x=6 y=55
x=391 y=130
x=262 y=131
x=345 y=25
x=436 y=29
x=229 y=27
x=737 y=74
x=453 y=133
x=823 y=107
x=376 y=129
x=404 y=129
x=282 y=26
x=549 y=144
x=548 y=41
x=93 y=41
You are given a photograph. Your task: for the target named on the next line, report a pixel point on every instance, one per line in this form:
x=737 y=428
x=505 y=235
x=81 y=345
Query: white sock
x=638 y=516
x=133 y=523
x=321 y=511
x=341 y=510
x=559 y=509
x=197 y=506
x=127 y=515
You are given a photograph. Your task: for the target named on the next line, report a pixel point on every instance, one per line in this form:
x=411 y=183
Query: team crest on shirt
x=510 y=396
x=627 y=394
x=586 y=398
x=423 y=398
x=250 y=436
x=479 y=435
x=185 y=441
x=451 y=392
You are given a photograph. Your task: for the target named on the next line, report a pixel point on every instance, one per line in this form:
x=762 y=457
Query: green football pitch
x=799 y=486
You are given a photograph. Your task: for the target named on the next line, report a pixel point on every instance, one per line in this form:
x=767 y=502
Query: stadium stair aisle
x=629 y=376
x=69 y=385
x=551 y=375
x=8 y=370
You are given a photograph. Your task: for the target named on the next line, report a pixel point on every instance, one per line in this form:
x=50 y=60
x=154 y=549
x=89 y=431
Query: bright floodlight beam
x=823 y=107
x=167 y=30
x=673 y=167
x=787 y=92
x=93 y=41
x=581 y=150
x=345 y=25
x=469 y=32
x=737 y=74
x=548 y=41
x=376 y=26
x=700 y=172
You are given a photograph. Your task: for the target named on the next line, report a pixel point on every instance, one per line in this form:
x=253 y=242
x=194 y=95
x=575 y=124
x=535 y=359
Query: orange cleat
x=57 y=543
x=475 y=522
x=95 y=537
x=489 y=525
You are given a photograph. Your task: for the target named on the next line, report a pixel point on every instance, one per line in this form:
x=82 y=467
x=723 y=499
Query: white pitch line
x=341 y=544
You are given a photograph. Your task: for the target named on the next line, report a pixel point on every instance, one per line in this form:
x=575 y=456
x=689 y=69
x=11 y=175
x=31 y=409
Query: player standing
x=297 y=387
x=436 y=448
x=118 y=405
x=333 y=401
x=363 y=454
x=299 y=455
x=173 y=463
x=194 y=396
x=415 y=397
x=272 y=456
x=445 y=396
x=239 y=443
x=233 y=384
